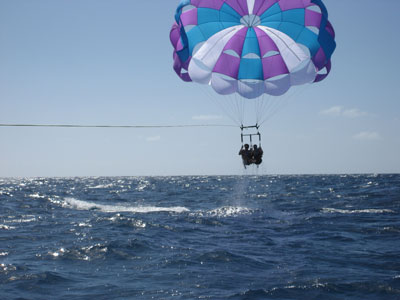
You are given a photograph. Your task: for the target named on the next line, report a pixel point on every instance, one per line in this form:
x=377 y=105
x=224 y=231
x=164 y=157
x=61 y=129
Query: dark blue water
x=264 y=237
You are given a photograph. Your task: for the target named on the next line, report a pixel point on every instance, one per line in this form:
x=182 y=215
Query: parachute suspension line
x=260 y=108
x=267 y=108
x=242 y=103
x=215 y=100
x=239 y=109
x=283 y=101
x=229 y=104
x=221 y=100
x=236 y=105
x=273 y=107
x=260 y=105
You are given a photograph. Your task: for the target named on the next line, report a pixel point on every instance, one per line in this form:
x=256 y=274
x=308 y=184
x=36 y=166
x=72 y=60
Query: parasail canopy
x=252 y=47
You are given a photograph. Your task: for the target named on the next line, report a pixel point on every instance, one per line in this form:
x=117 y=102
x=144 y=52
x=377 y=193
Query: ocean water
x=220 y=237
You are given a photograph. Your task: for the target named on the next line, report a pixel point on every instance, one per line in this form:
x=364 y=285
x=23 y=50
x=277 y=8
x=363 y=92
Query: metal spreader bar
x=250 y=135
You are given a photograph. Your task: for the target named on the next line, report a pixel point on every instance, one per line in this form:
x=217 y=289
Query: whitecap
x=87 y=205
x=6 y=227
x=23 y=219
x=142 y=185
x=225 y=211
x=6 y=193
x=36 y=195
x=357 y=211
x=101 y=186
x=84 y=225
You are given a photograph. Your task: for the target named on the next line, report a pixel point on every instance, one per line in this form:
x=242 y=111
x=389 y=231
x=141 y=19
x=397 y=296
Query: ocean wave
x=37 y=279
x=86 y=205
x=224 y=211
x=284 y=291
x=357 y=211
x=84 y=253
x=314 y=288
x=5 y=193
x=251 y=294
x=142 y=185
x=4 y=268
x=6 y=227
x=101 y=186
x=217 y=256
x=118 y=219
x=23 y=219
x=224 y=256
x=125 y=250
x=37 y=196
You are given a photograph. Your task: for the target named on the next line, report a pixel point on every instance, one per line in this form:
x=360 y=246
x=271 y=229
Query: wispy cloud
x=354 y=113
x=340 y=111
x=333 y=111
x=153 y=138
x=367 y=135
x=206 y=117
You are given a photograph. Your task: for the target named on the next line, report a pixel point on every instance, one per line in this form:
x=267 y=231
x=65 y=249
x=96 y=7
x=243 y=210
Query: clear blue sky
x=110 y=62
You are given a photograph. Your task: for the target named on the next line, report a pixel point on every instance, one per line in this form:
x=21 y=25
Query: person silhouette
x=247 y=155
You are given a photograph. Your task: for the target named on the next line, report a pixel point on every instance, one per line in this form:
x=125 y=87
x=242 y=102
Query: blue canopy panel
x=207 y=26
x=326 y=41
x=292 y=23
x=273 y=10
x=227 y=14
x=250 y=44
x=203 y=32
x=250 y=68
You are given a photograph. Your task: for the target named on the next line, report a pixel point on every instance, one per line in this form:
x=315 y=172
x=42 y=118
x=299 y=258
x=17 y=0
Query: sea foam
x=357 y=211
x=87 y=205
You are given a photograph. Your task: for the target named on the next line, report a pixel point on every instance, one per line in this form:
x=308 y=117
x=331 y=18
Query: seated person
x=247 y=155
x=257 y=155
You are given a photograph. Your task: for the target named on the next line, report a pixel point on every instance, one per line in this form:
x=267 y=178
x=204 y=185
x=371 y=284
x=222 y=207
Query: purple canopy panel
x=175 y=36
x=227 y=65
x=293 y=4
x=312 y=18
x=319 y=59
x=274 y=66
x=189 y=17
x=237 y=41
x=178 y=67
x=323 y=76
x=215 y=4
